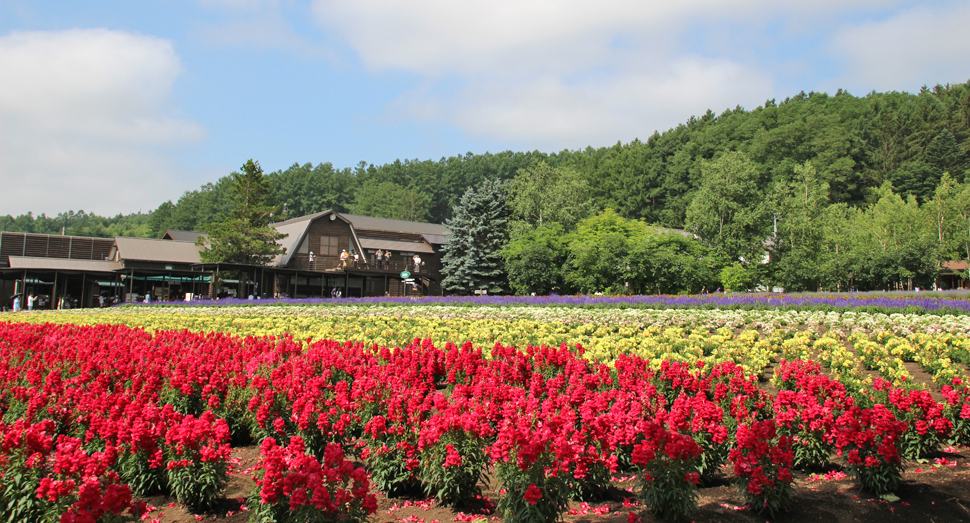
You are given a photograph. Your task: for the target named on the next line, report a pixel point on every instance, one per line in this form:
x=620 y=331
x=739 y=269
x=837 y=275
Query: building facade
x=69 y=271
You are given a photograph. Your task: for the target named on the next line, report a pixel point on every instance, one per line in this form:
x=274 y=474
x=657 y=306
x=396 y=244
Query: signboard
x=405 y=275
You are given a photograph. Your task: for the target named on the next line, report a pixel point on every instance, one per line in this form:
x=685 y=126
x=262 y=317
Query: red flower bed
x=95 y=415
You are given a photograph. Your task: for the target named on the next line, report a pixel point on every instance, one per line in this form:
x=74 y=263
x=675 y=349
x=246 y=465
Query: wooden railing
x=330 y=263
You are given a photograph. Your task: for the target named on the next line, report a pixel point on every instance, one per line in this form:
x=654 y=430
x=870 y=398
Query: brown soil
x=930 y=492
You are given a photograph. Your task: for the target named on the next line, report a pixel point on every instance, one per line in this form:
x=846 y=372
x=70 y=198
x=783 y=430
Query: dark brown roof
x=376 y=224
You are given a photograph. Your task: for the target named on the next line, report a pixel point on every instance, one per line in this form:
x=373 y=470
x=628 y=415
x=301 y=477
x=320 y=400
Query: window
x=329 y=246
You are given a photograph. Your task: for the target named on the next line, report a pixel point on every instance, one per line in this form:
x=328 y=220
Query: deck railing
x=331 y=263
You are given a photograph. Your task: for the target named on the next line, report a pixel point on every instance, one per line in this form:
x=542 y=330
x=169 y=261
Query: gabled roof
x=374 y=224
x=145 y=249
x=182 y=236
x=296 y=229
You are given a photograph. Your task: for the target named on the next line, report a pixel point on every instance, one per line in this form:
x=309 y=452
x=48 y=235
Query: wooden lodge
x=71 y=271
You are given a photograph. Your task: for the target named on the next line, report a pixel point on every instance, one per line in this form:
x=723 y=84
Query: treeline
x=554 y=239
x=80 y=223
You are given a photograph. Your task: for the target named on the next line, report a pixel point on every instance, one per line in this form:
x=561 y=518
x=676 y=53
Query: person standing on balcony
x=311 y=259
x=379 y=258
x=344 y=257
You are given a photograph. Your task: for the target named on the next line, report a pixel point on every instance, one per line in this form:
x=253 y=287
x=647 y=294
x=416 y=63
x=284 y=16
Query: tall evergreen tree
x=246 y=237
x=473 y=260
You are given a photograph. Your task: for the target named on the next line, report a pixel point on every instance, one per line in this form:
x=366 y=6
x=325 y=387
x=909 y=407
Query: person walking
x=30 y=302
x=16 y=303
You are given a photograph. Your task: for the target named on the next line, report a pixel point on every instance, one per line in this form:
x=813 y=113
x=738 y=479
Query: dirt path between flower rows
x=933 y=492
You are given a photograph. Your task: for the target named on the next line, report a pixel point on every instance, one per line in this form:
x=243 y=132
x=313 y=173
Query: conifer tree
x=473 y=260
x=246 y=237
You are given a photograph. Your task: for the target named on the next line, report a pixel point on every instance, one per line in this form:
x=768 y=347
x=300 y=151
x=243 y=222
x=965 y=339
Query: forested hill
x=855 y=144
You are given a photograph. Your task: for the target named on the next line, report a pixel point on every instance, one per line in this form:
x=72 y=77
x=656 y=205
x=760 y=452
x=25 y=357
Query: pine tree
x=473 y=260
x=246 y=237
x=945 y=155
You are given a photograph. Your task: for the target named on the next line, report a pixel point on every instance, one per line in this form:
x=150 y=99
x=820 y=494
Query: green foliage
x=728 y=210
x=534 y=260
x=521 y=484
x=454 y=481
x=668 y=262
x=473 y=260
x=305 y=189
x=598 y=252
x=738 y=278
x=541 y=195
x=390 y=200
x=245 y=237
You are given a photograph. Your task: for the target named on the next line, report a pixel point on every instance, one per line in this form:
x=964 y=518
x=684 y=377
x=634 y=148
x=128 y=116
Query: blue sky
x=117 y=106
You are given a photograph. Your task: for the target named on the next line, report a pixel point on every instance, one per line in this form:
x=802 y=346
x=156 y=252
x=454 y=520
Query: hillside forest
x=817 y=191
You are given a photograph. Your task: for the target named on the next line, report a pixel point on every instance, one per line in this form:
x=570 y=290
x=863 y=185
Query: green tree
x=728 y=210
x=738 y=278
x=795 y=257
x=161 y=219
x=898 y=245
x=598 y=252
x=246 y=237
x=305 y=189
x=390 y=200
x=667 y=262
x=534 y=260
x=540 y=195
x=473 y=259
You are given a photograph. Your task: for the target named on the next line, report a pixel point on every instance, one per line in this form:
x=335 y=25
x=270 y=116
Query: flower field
x=103 y=408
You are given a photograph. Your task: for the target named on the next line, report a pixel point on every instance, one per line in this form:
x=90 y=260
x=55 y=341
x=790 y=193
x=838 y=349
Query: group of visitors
x=31 y=301
x=383 y=259
x=346 y=257
x=335 y=293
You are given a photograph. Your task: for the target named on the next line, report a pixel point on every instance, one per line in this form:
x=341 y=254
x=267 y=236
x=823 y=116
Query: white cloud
x=914 y=48
x=550 y=114
x=570 y=73
x=87 y=121
x=508 y=36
